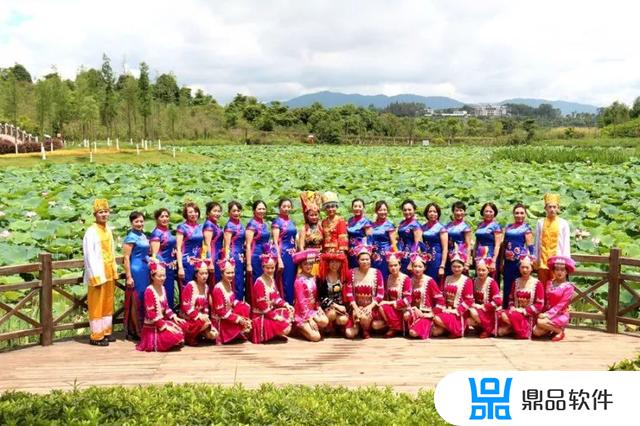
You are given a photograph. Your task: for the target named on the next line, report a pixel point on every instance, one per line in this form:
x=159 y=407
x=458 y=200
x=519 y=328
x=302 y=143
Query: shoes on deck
x=102 y=342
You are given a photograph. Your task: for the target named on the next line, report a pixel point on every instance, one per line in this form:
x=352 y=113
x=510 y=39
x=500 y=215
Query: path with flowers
x=405 y=365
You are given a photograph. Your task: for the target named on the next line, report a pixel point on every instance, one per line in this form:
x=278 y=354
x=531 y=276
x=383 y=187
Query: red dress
x=487 y=300
x=195 y=310
x=425 y=297
x=227 y=313
x=159 y=333
x=458 y=294
x=334 y=235
x=400 y=294
x=306 y=299
x=525 y=303
x=364 y=290
x=267 y=304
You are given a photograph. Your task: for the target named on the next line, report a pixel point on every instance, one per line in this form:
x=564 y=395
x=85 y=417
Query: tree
x=172 y=115
x=10 y=98
x=88 y=113
x=108 y=109
x=129 y=95
x=615 y=113
x=635 y=109
x=166 y=89
x=452 y=128
x=144 y=94
x=529 y=126
x=21 y=74
x=43 y=104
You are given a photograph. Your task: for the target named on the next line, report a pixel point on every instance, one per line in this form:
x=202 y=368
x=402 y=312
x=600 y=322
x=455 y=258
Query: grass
x=560 y=154
x=213 y=404
x=604 y=142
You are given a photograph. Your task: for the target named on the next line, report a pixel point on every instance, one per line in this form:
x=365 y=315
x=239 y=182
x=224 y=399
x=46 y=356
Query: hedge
x=7 y=147
x=214 y=404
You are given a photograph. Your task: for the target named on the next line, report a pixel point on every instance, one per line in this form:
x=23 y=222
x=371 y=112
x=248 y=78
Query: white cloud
x=474 y=51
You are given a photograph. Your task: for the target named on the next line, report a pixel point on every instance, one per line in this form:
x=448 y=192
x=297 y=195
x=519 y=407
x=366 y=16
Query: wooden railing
x=46 y=286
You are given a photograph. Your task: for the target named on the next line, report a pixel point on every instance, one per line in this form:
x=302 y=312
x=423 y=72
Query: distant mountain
x=564 y=106
x=332 y=99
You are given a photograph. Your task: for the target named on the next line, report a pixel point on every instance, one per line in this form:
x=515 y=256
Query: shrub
x=629 y=129
x=538 y=154
x=7 y=147
x=626 y=365
x=209 y=404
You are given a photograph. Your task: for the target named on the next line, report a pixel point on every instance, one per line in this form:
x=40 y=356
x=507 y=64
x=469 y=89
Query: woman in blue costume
x=284 y=237
x=384 y=238
x=189 y=243
x=213 y=240
x=436 y=243
x=163 y=249
x=257 y=237
x=518 y=241
x=135 y=248
x=459 y=236
x=358 y=227
x=234 y=234
x=409 y=233
x=488 y=238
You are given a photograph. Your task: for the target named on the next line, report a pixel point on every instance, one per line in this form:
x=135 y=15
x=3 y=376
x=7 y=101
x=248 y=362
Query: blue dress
x=457 y=231
x=287 y=243
x=261 y=237
x=357 y=232
x=486 y=242
x=433 y=247
x=216 y=245
x=515 y=245
x=139 y=265
x=167 y=255
x=236 y=249
x=380 y=238
x=407 y=242
x=192 y=239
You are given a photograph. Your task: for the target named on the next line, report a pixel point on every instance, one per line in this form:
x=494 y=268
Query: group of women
x=334 y=276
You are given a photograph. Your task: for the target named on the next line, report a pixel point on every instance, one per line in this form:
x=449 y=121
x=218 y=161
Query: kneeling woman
x=525 y=303
x=398 y=295
x=426 y=299
x=310 y=318
x=364 y=291
x=487 y=299
x=333 y=276
x=458 y=295
x=230 y=315
x=195 y=306
x=558 y=295
x=271 y=316
x=162 y=328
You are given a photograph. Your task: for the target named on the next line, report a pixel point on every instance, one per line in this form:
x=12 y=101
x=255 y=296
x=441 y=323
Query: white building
x=489 y=110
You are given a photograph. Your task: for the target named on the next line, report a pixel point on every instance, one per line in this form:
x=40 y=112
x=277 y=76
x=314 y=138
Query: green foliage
x=628 y=129
x=108 y=109
x=564 y=155
x=144 y=94
x=166 y=89
x=626 y=365
x=210 y=404
x=614 y=114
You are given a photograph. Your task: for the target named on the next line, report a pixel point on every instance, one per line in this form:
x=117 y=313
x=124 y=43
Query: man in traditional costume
x=552 y=237
x=100 y=274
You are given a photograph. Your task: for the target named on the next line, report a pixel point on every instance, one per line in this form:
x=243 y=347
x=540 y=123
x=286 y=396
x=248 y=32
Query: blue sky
x=583 y=51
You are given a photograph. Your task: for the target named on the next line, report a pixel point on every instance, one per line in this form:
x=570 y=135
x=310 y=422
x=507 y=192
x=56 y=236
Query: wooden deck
x=405 y=365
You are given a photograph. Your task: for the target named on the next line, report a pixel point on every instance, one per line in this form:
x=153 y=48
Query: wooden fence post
x=46 y=299
x=613 y=299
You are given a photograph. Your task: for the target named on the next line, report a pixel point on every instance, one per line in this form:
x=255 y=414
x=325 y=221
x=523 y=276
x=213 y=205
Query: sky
x=474 y=51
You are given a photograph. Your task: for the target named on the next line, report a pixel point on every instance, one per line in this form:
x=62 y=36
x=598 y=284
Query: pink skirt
x=420 y=326
x=393 y=317
x=375 y=316
x=453 y=323
x=193 y=329
x=521 y=324
x=561 y=319
x=301 y=319
x=154 y=340
x=265 y=329
x=487 y=320
x=229 y=330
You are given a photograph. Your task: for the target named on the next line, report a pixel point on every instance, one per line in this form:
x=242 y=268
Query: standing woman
x=189 y=243
x=311 y=233
x=458 y=298
x=384 y=238
x=518 y=241
x=558 y=294
x=334 y=228
x=364 y=292
x=234 y=246
x=310 y=319
x=135 y=248
x=436 y=242
x=230 y=315
x=213 y=239
x=459 y=235
x=398 y=295
x=256 y=238
x=409 y=233
x=426 y=299
x=489 y=237
x=163 y=249
x=525 y=303
x=196 y=308
x=284 y=238
x=358 y=227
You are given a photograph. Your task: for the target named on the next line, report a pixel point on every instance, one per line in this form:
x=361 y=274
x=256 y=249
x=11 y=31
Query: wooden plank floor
x=405 y=365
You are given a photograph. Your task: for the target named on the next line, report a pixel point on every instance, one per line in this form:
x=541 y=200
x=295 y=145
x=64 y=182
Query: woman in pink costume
x=458 y=295
x=229 y=315
x=426 y=299
x=487 y=299
x=397 y=295
x=558 y=294
x=309 y=317
x=195 y=306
